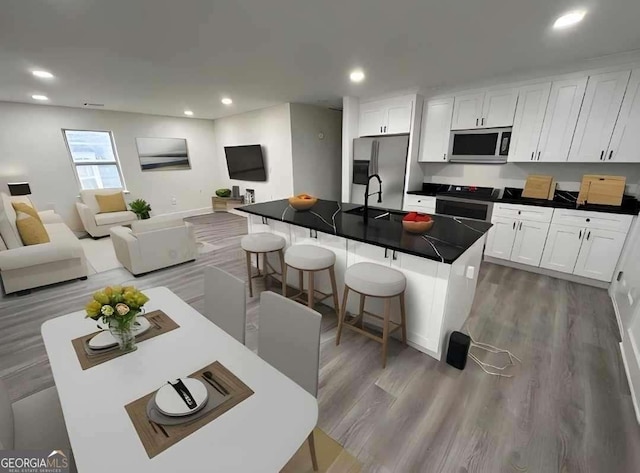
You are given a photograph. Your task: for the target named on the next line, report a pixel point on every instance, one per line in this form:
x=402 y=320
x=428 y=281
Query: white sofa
x=25 y=267
x=98 y=224
x=154 y=244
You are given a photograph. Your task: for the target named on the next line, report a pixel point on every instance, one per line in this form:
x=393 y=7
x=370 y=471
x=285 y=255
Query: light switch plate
x=471 y=271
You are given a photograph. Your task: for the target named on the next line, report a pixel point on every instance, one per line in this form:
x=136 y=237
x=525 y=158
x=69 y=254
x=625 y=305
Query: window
x=94 y=158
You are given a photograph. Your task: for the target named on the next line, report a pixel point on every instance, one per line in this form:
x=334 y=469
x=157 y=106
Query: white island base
x=438 y=295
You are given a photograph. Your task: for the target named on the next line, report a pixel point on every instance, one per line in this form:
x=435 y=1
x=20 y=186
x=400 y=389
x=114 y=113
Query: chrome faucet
x=366 y=196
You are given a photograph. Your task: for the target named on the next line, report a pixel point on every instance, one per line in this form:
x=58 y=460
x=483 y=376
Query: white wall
x=32 y=148
x=568 y=175
x=316 y=161
x=269 y=127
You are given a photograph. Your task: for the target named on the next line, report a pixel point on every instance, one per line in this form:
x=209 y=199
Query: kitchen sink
x=376 y=213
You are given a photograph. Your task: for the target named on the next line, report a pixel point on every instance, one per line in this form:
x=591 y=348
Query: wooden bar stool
x=262 y=244
x=374 y=280
x=310 y=258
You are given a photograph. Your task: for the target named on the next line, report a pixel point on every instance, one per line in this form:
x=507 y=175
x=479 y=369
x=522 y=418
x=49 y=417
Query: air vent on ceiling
x=89 y=104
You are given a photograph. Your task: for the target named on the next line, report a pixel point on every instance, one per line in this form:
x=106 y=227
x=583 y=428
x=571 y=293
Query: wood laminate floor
x=567 y=408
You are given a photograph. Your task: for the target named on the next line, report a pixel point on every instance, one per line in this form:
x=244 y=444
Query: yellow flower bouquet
x=118 y=307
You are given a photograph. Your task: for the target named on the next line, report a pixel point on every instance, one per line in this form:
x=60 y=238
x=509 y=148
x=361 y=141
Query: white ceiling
x=165 y=56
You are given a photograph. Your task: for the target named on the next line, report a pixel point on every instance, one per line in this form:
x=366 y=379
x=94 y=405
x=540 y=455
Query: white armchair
x=98 y=224
x=154 y=244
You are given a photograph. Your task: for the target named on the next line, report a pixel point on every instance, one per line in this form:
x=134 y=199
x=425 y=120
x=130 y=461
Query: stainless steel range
x=466 y=201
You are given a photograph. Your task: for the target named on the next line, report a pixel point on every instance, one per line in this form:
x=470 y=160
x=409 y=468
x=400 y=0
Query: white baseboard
x=548 y=272
x=617 y=312
x=185 y=213
x=634 y=398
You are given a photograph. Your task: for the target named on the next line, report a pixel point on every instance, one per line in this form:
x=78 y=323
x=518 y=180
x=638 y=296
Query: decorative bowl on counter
x=302 y=201
x=415 y=222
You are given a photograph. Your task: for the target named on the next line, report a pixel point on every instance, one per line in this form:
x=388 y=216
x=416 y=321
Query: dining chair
x=225 y=301
x=289 y=340
x=33 y=423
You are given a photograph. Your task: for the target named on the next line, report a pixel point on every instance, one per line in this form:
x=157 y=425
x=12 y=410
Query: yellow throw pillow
x=26 y=208
x=30 y=228
x=111 y=203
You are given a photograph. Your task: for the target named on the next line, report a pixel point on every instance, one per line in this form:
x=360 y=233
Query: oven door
x=466 y=208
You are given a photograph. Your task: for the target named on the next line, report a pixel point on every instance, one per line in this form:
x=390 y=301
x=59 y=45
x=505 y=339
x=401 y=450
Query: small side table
x=223 y=204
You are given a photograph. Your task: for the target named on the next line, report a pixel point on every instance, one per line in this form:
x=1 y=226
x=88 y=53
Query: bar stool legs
x=387 y=323
x=266 y=266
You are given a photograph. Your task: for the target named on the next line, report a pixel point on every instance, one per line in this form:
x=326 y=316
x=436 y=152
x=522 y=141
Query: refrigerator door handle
x=375 y=147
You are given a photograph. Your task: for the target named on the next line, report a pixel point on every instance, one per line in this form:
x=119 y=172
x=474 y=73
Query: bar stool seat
x=260 y=244
x=374 y=280
x=311 y=258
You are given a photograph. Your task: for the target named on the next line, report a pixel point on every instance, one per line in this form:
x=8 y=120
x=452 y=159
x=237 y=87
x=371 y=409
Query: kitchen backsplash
x=567 y=175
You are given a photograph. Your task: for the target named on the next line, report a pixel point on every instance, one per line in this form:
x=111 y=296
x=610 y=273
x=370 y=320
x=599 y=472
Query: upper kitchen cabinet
x=386 y=117
x=499 y=108
x=600 y=109
x=436 y=130
x=560 y=119
x=491 y=109
x=466 y=111
x=625 y=142
x=527 y=125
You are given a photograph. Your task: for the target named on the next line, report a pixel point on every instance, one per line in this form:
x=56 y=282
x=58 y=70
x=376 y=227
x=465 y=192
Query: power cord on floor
x=495 y=350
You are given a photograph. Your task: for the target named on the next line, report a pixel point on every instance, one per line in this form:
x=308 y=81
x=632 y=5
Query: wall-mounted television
x=245 y=163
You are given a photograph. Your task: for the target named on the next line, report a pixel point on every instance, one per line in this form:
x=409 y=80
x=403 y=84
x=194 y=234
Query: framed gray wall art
x=163 y=154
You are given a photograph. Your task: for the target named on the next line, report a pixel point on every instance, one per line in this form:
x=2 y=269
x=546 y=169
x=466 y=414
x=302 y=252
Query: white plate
x=170 y=403
x=105 y=340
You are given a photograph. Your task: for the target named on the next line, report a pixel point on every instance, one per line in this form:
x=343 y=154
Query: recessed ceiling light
x=357 y=75
x=42 y=74
x=569 y=19
x=188 y=112
x=226 y=101
x=39 y=97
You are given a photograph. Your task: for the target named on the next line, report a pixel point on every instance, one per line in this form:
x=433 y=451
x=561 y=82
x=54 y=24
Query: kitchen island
x=441 y=266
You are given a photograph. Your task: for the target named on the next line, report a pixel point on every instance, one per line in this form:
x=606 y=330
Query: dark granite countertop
x=512 y=195
x=447 y=240
x=568 y=200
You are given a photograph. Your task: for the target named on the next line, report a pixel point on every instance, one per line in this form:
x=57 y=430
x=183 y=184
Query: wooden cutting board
x=537 y=187
x=601 y=189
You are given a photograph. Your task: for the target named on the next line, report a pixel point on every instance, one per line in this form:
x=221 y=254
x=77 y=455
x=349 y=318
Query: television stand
x=224 y=204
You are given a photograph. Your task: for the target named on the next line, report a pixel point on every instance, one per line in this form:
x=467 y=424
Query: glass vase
x=125 y=336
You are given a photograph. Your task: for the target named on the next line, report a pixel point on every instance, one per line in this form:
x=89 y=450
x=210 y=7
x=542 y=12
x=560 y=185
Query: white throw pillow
x=8 y=228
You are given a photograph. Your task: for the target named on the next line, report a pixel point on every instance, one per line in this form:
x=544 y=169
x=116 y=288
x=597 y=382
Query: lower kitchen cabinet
x=562 y=248
x=599 y=254
x=501 y=237
x=529 y=242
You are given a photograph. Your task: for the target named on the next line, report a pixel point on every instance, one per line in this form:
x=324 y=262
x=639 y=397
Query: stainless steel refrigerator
x=387 y=157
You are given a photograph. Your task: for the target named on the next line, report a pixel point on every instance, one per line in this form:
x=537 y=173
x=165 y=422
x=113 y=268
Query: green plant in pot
x=223 y=192
x=141 y=208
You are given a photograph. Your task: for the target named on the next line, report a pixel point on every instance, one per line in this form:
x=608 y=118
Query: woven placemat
x=157 y=438
x=160 y=323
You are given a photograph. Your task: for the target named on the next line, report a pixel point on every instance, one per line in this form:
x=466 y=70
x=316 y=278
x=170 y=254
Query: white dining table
x=258 y=435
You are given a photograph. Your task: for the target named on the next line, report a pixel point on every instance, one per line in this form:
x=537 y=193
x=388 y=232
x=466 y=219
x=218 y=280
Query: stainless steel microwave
x=489 y=145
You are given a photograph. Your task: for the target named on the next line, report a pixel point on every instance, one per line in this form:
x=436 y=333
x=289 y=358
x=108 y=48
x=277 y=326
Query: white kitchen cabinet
x=599 y=254
x=419 y=203
x=384 y=117
x=363 y=252
x=560 y=119
x=372 y=119
x=303 y=236
x=600 y=109
x=499 y=108
x=562 y=248
x=625 y=142
x=494 y=108
x=529 y=242
x=467 y=111
x=398 y=117
x=528 y=121
x=436 y=131
x=501 y=237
